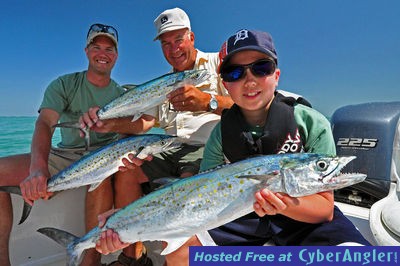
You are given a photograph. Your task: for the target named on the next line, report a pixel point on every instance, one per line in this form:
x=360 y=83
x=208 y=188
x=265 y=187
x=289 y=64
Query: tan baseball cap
x=97 y=29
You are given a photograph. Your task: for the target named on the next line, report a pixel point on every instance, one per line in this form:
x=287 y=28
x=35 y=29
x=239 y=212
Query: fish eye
x=322 y=165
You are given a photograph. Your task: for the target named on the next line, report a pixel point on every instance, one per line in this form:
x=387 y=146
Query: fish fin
x=236 y=204
x=61 y=237
x=93 y=186
x=173 y=244
x=17 y=190
x=261 y=178
x=136 y=117
x=68 y=125
x=166 y=180
x=273 y=181
x=65 y=239
x=76 y=125
x=227 y=211
x=11 y=189
x=25 y=212
x=141 y=155
x=87 y=137
x=163 y=182
x=129 y=86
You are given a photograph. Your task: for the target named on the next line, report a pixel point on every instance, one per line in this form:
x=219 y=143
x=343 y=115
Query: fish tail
x=25 y=212
x=76 y=125
x=17 y=190
x=65 y=239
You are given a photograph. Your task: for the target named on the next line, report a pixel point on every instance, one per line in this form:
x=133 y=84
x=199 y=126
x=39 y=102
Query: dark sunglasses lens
x=263 y=68
x=232 y=73
x=103 y=28
x=260 y=69
x=96 y=27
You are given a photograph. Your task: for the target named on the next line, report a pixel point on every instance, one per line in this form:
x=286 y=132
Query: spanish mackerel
x=135 y=101
x=210 y=199
x=96 y=166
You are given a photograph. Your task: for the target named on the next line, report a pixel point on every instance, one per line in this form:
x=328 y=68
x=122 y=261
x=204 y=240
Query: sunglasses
x=103 y=28
x=259 y=68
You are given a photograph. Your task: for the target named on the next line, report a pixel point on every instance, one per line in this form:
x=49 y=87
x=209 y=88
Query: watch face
x=213 y=104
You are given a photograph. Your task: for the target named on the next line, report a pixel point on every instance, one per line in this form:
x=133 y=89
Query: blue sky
x=334 y=53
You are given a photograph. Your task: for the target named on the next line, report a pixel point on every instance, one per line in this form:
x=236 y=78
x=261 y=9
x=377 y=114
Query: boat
x=370 y=131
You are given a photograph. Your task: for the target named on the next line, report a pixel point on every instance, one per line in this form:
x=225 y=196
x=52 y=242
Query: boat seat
x=384 y=219
x=390 y=218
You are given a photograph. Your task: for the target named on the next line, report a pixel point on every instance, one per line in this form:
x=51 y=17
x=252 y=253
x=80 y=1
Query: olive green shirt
x=72 y=95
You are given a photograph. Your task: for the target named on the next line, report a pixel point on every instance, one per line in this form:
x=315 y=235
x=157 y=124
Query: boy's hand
x=269 y=203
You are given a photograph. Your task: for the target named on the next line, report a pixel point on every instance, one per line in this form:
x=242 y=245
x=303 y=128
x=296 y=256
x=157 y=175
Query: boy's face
x=252 y=92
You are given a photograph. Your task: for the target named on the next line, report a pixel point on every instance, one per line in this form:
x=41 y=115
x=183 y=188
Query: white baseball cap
x=171 y=19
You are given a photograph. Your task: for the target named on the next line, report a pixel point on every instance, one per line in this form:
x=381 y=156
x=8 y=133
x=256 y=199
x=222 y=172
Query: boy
x=263 y=121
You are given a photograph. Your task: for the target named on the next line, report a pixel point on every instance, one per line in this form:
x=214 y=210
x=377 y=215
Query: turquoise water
x=16 y=134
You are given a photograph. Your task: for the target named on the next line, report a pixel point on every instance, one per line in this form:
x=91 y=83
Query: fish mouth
x=349 y=178
x=173 y=144
x=344 y=179
x=342 y=162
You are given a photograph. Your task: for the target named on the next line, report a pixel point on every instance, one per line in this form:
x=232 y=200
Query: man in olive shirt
x=66 y=99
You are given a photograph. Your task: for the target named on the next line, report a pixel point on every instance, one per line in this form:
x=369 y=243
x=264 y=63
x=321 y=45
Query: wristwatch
x=213 y=104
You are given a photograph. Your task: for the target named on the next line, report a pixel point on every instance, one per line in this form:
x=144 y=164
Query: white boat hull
x=64 y=211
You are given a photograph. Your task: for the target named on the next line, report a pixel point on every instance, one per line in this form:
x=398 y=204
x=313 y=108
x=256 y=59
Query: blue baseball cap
x=247 y=40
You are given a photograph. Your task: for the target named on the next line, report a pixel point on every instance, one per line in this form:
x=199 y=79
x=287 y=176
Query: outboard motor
x=367 y=131
x=371 y=131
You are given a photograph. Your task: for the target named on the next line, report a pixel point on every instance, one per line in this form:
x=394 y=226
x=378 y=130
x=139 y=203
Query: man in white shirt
x=190 y=112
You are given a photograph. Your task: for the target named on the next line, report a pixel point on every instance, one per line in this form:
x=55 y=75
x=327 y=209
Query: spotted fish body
x=139 y=99
x=150 y=94
x=96 y=166
x=93 y=168
x=210 y=199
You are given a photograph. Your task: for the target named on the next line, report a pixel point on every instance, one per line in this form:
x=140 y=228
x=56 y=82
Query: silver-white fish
x=96 y=166
x=136 y=101
x=207 y=200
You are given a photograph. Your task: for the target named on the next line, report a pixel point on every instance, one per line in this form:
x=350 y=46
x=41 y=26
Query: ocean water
x=16 y=134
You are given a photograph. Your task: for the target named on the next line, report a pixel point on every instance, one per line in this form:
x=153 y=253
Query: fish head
x=317 y=173
x=194 y=77
x=159 y=143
